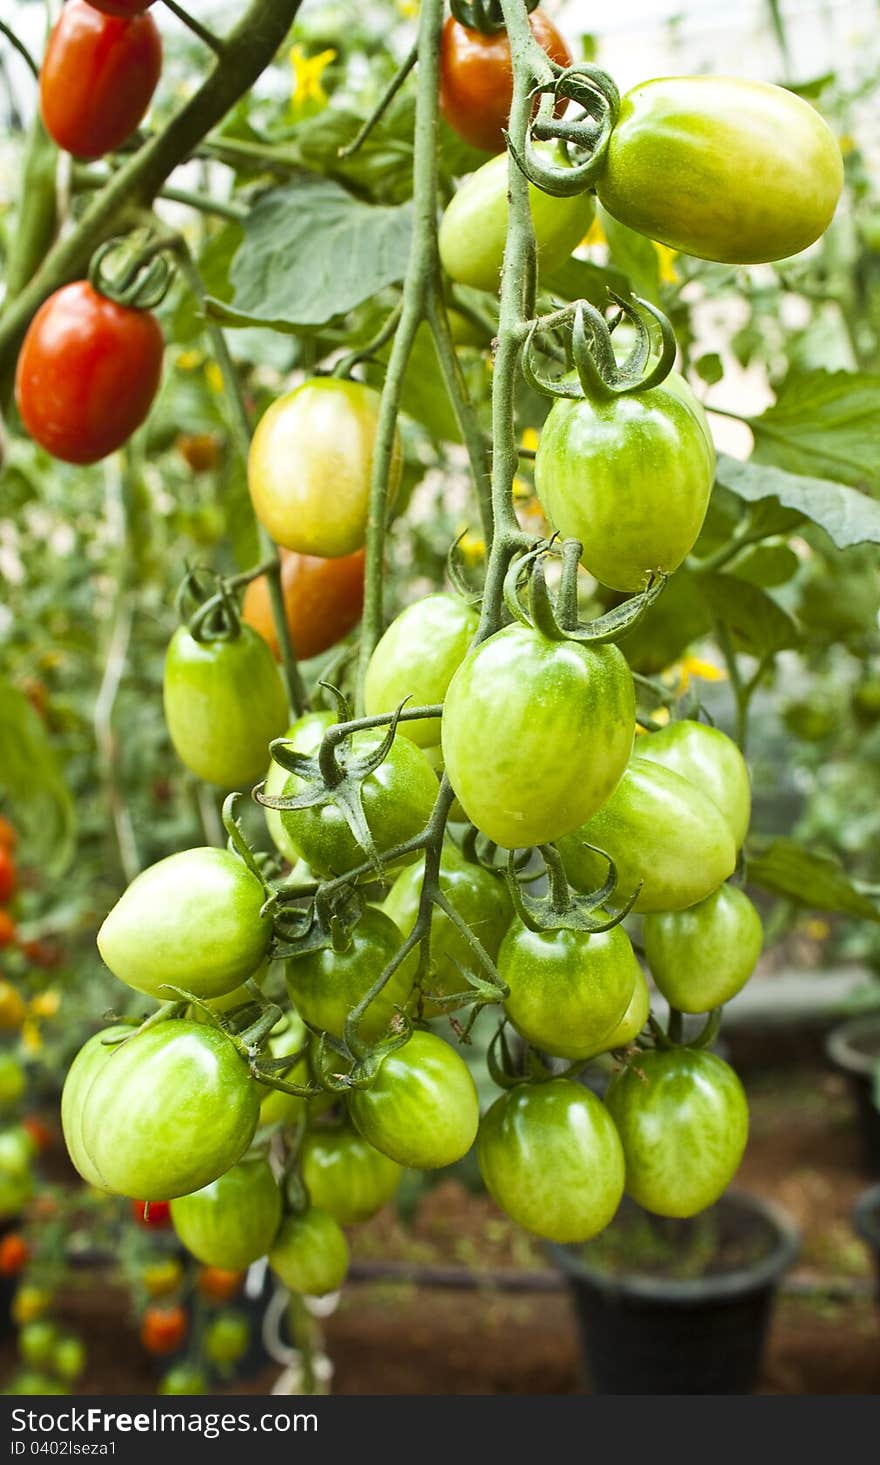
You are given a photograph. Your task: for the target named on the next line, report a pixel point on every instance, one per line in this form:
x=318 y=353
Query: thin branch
x=382 y=105
x=201 y=31
x=20 y=47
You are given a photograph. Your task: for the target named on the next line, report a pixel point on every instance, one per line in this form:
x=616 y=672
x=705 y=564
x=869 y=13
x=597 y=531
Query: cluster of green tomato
x=52 y=1359
x=17 y=1147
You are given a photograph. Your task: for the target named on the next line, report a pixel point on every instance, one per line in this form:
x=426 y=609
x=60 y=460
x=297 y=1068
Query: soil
x=397 y=1337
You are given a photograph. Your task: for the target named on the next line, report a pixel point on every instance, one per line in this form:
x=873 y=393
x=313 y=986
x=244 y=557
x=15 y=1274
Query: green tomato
x=28 y=1382
x=723 y=168
x=278 y=1107
x=226 y=1338
x=232 y=1221
x=69 y=1358
x=711 y=761
x=37 y=1342
x=473 y=230
x=16 y=1189
x=172 y=1109
x=305 y=735
x=536 y=733
x=324 y=985
x=184 y=1378
x=683 y=1121
x=479 y=897
x=421 y=1109
x=194 y=920
x=551 y=1158
x=17 y=1150
x=345 y=1176
x=12 y=1080
x=662 y=833
x=310 y=466
x=397 y=800
x=434 y=756
x=629 y=476
x=310 y=1255
x=416 y=658
x=631 y=1023
x=701 y=957
x=568 y=991
x=92 y=1057
x=866 y=700
x=224 y=703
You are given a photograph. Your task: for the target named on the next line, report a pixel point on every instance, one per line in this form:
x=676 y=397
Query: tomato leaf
x=812 y=879
x=634 y=255
x=847 y=516
x=767 y=565
x=580 y=279
x=30 y=774
x=759 y=626
x=823 y=423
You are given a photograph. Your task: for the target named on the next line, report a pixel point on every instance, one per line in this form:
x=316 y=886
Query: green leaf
x=312 y=251
x=709 y=368
x=678 y=619
x=579 y=279
x=634 y=255
x=30 y=775
x=811 y=879
x=758 y=625
x=824 y=423
x=847 y=516
x=767 y=565
x=424 y=394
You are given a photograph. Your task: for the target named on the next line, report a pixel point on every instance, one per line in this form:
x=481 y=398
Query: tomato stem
x=213 y=42
x=384 y=102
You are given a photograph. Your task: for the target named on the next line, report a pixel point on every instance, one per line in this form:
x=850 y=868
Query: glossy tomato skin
x=125 y=8
x=480 y=898
x=310 y=463
x=276 y=1107
x=568 y=990
x=232 y=1221
x=722 y=168
x=397 y=801
x=476 y=77
x=310 y=1254
x=325 y=984
x=703 y=956
x=417 y=658
x=525 y=778
x=551 y=1158
x=192 y=920
x=629 y=476
x=88 y=1063
x=305 y=734
x=662 y=833
x=224 y=703
x=323 y=600
x=345 y=1176
x=632 y=1022
x=473 y=229
x=711 y=761
x=97 y=78
x=132 y=1121
x=422 y=1108
x=87 y=373
x=683 y=1122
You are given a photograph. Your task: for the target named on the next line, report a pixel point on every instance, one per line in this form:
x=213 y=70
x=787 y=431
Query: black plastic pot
x=866 y=1217
x=649 y=1334
x=853 y=1048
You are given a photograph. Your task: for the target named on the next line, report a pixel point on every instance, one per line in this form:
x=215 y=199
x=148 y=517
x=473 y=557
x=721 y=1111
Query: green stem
x=383 y=104
x=204 y=35
x=21 y=48
x=466 y=417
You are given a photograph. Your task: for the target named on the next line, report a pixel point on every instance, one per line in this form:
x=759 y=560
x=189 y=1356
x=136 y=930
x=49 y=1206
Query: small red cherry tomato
x=98 y=75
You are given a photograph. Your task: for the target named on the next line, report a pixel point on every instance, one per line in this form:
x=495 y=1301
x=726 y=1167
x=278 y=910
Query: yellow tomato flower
x=668 y=273
x=308 y=90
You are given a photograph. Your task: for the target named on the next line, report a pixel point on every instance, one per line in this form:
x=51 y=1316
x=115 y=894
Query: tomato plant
x=7 y=930
x=422 y=1108
x=323 y=599
x=325 y=984
x=8 y=875
x=310 y=1254
x=163 y=1329
x=711 y=761
x=218 y=1285
x=233 y=1220
x=227 y=1338
x=701 y=957
x=97 y=78
x=476 y=77
x=345 y=1176
x=417 y=658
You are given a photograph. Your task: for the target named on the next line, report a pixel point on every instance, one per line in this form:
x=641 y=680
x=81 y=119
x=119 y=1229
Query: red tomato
x=8 y=876
x=163 y=1329
x=476 y=78
x=323 y=600
x=98 y=75
x=218 y=1285
x=87 y=373
x=14 y=1252
x=7 y=927
x=125 y=8
x=44 y=954
x=155 y=1214
x=8 y=835
x=40 y=1133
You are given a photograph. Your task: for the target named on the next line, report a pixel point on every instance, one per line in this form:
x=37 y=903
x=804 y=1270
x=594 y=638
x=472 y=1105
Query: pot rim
x=840 y=1046
x=688 y=1292
x=866 y=1216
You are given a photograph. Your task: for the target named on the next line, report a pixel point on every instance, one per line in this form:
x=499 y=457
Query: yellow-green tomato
x=473 y=230
x=224 y=703
x=702 y=957
x=631 y=1023
x=536 y=733
x=87 y=1064
x=194 y=920
x=345 y=1176
x=278 y=1107
x=305 y=736
x=310 y=464
x=325 y=984
x=416 y=658
x=629 y=476
x=721 y=167
x=711 y=761
x=421 y=1109
x=232 y=1221
x=310 y=1254
x=551 y=1158
x=569 y=991
x=662 y=833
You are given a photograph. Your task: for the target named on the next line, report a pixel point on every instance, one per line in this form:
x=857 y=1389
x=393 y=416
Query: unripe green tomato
x=683 y=1122
x=631 y=1023
x=551 y=1158
x=16 y=1189
x=193 y=921
x=345 y=1176
x=12 y=1080
x=662 y=833
x=69 y=1358
x=232 y=1221
x=37 y=1342
x=422 y=1108
x=479 y=897
x=810 y=721
x=278 y=1107
x=17 y=1150
x=473 y=230
x=91 y=1058
x=325 y=984
x=30 y=1382
x=305 y=736
x=703 y=956
x=723 y=168
x=866 y=700
x=536 y=733
x=310 y=465
x=310 y=1255
x=569 y=991
x=226 y=1338
x=185 y=1378
x=416 y=658
x=629 y=476
x=224 y=703
x=434 y=756
x=710 y=760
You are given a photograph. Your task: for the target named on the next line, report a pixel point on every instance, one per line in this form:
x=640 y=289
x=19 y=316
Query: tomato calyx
x=597 y=372
x=144 y=275
x=507 y=1069
x=485 y=16
x=557 y=619
x=582 y=138
x=561 y=909
x=672 y=1036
